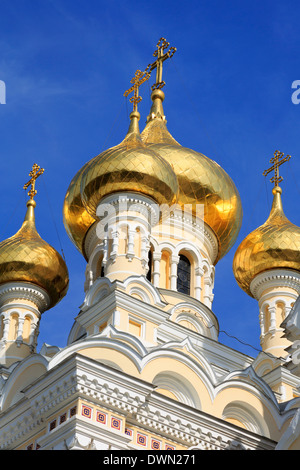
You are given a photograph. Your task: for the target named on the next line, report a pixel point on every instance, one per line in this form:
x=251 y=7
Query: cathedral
x=143 y=367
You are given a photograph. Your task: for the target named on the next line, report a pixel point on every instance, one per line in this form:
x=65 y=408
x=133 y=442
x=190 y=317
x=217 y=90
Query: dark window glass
x=149 y=273
x=183 y=275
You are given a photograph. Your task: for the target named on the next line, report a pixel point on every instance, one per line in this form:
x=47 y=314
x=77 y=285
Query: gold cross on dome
x=137 y=80
x=161 y=55
x=277 y=160
x=34 y=174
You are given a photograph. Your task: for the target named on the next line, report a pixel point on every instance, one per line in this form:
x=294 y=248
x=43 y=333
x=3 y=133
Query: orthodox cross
x=137 y=80
x=161 y=55
x=34 y=174
x=277 y=160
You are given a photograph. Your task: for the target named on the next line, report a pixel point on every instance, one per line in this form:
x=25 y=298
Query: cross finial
x=162 y=45
x=137 y=80
x=34 y=174
x=277 y=160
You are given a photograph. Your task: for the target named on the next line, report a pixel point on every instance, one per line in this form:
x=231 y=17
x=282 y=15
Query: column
x=156 y=268
x=145 y=247
x=207 y=291
x=198 y=274
x=130 y=247
x=115 y=245
x=272 y=310
x=173 y=276
x=19 y=338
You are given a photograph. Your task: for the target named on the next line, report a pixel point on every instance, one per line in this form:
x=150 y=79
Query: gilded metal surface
x=200 y=179
x=161 y=55
x=275 y=244
x=138 y=79
x=27 y=257
x=277 y=160
x=155 y=164
x=34 y=174
x=156 y=129
x=77 y=220
x=130 y=166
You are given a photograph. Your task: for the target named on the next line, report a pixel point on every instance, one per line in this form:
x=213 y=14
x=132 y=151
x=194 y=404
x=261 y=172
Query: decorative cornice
x=150 y=210
x=196 y=226
x=24 y=291
x=147 y=207
x=101 y=385
x=275 y=278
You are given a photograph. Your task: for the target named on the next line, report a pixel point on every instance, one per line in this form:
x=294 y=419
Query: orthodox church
x=143 y=368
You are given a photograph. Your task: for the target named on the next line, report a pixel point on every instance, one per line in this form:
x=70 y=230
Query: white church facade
x=143 y=368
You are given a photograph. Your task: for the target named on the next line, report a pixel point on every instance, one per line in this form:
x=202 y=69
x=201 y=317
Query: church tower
x=185 y=211
x=33 y=278
x=266 y=266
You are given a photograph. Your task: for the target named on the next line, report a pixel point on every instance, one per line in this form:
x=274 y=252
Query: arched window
x=164 y=280
x=184 y=275
x=280 y=314
x=99 y=271
x=13 y=327
x=26 y=329
x=149 y=273
x=267 y=319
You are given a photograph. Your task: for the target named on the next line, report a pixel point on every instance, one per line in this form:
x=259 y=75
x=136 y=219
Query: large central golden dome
x=77 y=220
x=200 y=179
x=129 y=166
x=156 y=165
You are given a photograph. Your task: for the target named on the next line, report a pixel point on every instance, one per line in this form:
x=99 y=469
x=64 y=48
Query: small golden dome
x=26 y=257
x=129 y=166
x=275 y=244
x=200 y=179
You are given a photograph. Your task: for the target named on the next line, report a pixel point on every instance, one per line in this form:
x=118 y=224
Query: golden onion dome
x=77 y=220
x=129 y=166
x=26 y=257
x=275 y=244
x=200 y=179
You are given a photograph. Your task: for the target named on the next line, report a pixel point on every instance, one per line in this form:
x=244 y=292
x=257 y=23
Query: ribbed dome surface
x=26 y=257
x=200 y=179
x=129 y=166
x=156 y=165
x=77 y=220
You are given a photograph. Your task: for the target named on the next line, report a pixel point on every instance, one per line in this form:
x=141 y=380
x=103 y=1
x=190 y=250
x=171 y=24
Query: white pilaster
x=274 y=288
x=19 y=301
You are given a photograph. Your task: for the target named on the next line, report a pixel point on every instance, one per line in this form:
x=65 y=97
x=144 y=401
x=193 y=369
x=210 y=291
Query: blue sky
x=66 y=65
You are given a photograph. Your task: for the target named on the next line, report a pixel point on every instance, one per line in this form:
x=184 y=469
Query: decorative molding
x=99 y=385
x=19 y=290
x=205 y=236
x=275 y=278
x=145 y=206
